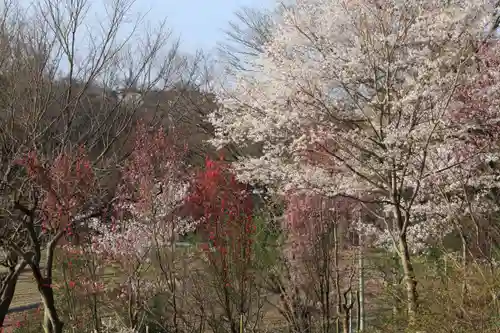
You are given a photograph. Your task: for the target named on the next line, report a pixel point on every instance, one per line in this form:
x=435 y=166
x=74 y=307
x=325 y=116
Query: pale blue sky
x=199 y=22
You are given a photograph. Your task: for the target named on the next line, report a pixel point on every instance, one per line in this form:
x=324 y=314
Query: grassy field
x=26 y=294
x=26 y=291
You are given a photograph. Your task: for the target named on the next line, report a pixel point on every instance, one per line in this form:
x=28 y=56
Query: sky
x=200 y=23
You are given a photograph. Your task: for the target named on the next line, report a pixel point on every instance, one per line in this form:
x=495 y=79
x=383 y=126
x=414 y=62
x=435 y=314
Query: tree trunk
x=410 y=280
x=345 y=322
x=463 y=238
x=361 y=291
x=7 y=290
x=51 y=323
x=6 y=297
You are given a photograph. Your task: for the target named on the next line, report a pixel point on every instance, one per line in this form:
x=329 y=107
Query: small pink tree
x=67 y=189
x=144 y=214
x=146 y=219
x=317 y=230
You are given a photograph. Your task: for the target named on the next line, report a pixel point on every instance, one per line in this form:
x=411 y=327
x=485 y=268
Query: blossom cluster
x=67 y=185
x=150 y=195
x=134 y=237
x=308 y=223
x=393 y=100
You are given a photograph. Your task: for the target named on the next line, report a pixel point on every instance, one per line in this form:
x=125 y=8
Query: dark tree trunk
x=8 y=288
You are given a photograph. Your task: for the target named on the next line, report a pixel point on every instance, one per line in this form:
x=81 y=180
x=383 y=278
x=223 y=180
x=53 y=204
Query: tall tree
x=361 y=99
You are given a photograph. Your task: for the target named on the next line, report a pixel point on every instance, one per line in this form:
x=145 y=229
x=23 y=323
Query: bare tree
x=245 y=37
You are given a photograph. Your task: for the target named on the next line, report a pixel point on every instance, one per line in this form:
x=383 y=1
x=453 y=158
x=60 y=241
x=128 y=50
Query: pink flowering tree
x=376 y=89
x=316 y=250
x=65 y=196
x=146 y=219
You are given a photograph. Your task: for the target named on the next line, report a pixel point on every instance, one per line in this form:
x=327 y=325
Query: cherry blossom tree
x=146 y=217
x=375 y=90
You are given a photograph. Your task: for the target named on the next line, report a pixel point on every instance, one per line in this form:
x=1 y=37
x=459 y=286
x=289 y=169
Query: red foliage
x=66 y=185
x=225 y=208
x=156 y=158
